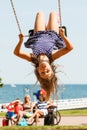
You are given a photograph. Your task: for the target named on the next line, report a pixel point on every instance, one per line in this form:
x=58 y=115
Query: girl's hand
x=61 y=32
x=21 y=37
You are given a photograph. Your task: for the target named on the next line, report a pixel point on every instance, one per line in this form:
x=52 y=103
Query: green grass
x=73 y=112
x=2 y=114
x=44 y=128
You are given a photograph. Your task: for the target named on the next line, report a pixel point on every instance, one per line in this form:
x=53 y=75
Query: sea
x=9 y=92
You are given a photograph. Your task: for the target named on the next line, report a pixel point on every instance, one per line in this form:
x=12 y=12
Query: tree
x=1 y=84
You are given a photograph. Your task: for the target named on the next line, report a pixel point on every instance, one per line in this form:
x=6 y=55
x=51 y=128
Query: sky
x=74 y=16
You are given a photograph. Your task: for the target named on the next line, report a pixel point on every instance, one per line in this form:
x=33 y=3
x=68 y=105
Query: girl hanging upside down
x=48 y=43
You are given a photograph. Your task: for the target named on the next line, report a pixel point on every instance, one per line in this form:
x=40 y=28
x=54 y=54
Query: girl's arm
x=65 y=50
x=18 y=52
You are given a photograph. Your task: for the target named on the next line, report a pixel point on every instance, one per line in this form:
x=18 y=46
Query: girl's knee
x=37 y=115
x=53 y=13
x=40 y=14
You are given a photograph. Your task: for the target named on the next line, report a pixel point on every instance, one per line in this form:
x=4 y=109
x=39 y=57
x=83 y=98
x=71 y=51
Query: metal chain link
x=60 y=13
x=15 y=16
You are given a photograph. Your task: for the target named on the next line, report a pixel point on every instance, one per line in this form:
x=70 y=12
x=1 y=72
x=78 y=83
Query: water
x=70 y=91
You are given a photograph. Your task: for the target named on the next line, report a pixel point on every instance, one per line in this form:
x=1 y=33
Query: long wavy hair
x=49 y=85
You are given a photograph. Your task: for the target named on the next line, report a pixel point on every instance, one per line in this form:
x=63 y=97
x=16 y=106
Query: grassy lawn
x=44 y=128
x=2 y=114
x=72 y=112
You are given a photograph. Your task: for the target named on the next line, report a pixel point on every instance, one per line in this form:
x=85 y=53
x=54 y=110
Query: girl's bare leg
x=53 y=22
x=20 y=115
x=39 y=22
x=37 y=118
x=38 y=114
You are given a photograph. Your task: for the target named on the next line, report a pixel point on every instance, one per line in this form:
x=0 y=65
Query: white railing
x=66 y=104
x=71 y=103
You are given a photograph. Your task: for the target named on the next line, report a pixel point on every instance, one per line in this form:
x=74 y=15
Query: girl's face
x=41 y=98
x=45 y=70
x=27 y=99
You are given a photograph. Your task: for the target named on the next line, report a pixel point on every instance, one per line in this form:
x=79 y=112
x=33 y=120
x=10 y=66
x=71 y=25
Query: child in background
x=27 y=109
x=13 y=110
x=40 y=108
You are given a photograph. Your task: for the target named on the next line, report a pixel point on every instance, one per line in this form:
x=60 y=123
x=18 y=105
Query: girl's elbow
x=72 y=47
x=16 y=53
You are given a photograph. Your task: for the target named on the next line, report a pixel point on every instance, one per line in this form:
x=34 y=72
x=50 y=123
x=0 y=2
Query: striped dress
x=43 y=107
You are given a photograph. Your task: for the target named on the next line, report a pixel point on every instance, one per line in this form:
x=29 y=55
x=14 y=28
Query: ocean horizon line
x=38 y=83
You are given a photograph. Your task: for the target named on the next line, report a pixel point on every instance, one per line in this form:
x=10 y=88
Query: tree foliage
x=1 y=84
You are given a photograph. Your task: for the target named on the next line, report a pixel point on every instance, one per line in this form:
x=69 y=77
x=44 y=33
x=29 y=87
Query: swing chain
x=15 y=16
x=60 y=13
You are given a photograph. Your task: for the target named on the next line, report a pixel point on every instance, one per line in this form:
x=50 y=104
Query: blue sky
x=74 y=17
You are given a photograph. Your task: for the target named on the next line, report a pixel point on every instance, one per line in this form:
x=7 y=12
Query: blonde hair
x=27 y=96
x=49 y=85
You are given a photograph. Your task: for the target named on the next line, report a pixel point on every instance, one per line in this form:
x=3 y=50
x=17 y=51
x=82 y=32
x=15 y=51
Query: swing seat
x=65 y=30
x=31 y=31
